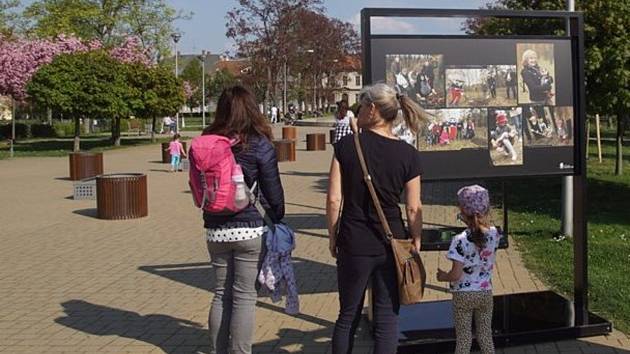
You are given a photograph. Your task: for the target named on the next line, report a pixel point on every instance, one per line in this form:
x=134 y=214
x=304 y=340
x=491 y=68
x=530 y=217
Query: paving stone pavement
x=70 y=283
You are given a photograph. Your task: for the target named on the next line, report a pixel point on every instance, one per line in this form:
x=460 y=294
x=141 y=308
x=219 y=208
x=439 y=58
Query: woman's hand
x=332 y=246
x=442 y=275
x=417 y=243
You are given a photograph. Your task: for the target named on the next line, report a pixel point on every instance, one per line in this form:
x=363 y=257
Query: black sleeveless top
x=392 y=163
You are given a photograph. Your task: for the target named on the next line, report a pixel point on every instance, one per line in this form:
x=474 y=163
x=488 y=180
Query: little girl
x=176 y=149
x=472 y=253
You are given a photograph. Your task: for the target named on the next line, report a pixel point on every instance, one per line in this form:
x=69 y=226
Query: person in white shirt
x=274 y=114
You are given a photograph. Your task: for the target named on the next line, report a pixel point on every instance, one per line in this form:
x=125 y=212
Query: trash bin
x=121 y=196
x=285 y=150
x=289 y=133
x=315 y=142
x=85 y=164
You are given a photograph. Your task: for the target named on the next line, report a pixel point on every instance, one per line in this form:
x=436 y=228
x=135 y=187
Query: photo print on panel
x=505 y=138
x=481 y=86
x=455 y=129
x=419 y=76
x=536 y=74
x=548 y=126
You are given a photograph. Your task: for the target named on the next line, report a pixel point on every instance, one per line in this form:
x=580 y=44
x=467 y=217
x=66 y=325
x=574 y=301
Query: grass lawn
x=63 y=146
x=535 y=218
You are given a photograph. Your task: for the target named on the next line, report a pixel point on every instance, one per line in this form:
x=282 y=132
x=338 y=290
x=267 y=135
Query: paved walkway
x=72 y=283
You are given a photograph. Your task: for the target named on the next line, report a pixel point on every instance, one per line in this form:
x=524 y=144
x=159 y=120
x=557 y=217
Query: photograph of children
x=548 y=126
x=455 y=129
x=506 y=143
x=419 y=76
x=481 y=86
x=536 y=73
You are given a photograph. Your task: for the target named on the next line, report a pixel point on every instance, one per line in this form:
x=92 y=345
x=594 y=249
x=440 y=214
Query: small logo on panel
x=565 y=166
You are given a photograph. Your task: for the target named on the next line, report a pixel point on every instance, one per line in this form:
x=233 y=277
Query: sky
x=206 y=28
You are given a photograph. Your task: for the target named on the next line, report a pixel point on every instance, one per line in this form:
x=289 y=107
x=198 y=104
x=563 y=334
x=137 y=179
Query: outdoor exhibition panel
x=499 y=106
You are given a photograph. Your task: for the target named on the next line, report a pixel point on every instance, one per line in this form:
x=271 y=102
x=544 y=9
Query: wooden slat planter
x=85 y=164
x=166 y=155
x=289 y=133
x=285 y=150
x=121 y=196
x=316 y=142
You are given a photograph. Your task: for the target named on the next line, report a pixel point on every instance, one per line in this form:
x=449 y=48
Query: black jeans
x=353 y=274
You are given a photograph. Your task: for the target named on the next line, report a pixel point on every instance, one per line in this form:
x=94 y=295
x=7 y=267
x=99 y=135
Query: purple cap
x=474 y=200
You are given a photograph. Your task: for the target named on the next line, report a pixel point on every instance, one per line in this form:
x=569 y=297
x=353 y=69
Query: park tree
x=192 y=74
x=85 y=85
x=606 y=54
x=261 y=30
x=160 y=92
x=9 y=17
x=328 y=41
x=219 y=81
x=108 y=21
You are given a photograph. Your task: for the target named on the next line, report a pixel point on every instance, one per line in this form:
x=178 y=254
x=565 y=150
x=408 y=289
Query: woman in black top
x=358 y=245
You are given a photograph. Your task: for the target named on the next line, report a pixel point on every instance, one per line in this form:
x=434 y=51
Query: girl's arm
x=455 y=274
x=333 y=205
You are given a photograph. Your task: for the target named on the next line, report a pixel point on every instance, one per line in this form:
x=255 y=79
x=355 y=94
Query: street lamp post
x=176 y=37
x=203 y=88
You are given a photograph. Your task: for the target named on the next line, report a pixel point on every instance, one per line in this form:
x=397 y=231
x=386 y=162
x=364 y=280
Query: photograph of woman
x=536 y=70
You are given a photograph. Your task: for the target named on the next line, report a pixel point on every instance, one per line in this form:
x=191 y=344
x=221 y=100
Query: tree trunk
x=77 y=134
x=49 y=116
x=620 y=131
x=117 y=138
x=153 y=129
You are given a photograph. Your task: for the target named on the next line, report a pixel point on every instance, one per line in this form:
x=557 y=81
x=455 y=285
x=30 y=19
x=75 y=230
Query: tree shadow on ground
x=607 y=201
x=301 y=222
x=176 y=335
x=312 y=277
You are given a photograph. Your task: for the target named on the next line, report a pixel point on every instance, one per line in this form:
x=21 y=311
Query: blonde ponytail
x=388 y=103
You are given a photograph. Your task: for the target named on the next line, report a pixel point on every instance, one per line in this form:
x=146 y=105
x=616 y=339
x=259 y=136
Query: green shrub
x=39 y=130
x=64 y=129
x=22 y=131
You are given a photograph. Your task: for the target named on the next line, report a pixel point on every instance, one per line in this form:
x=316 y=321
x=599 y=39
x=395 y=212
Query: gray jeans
x=231 y=320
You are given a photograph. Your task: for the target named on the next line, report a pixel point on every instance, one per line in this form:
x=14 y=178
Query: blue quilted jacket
x=259 y=163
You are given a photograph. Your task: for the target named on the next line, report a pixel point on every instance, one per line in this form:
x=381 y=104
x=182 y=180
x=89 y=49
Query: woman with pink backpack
x=235 y=156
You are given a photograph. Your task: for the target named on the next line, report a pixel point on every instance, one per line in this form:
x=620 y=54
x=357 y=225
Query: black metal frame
x=575 y=32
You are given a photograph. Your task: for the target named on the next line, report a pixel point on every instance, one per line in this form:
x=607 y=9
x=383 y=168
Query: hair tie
x=399 y=96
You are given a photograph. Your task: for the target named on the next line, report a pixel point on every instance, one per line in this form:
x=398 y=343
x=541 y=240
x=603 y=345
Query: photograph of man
x=479 y=86
x=536 y=68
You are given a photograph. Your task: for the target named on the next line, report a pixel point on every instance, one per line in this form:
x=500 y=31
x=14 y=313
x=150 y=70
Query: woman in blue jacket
x=235 y=241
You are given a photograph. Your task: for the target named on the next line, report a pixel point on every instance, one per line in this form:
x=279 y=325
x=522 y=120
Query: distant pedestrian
x=176 y=149
x=274 y=114
x=473 y=254
x=344 y=115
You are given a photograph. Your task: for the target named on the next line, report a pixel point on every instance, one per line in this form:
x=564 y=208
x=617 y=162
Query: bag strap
x=254 y=199
x=368 y=180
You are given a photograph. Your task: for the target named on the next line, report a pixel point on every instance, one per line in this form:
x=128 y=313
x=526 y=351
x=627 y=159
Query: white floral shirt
x=478 y=264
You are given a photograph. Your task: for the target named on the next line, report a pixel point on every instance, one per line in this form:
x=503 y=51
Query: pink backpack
x=216 y=180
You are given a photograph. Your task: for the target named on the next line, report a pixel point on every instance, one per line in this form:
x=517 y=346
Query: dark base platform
x=518 y=318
